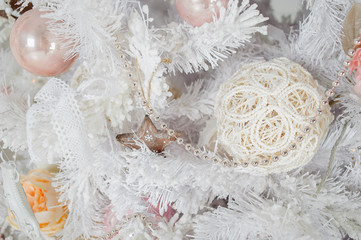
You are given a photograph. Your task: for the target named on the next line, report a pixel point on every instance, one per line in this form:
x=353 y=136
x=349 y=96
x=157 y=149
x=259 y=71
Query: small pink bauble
x=35 y=48
x=199 y=12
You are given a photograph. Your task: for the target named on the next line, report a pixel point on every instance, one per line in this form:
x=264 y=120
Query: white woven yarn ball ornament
x=264 y=116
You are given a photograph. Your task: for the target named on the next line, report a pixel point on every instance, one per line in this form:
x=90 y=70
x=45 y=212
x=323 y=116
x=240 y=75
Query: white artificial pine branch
x=76 y=181
x=169 y=179
x=95 y=177
x=13 y=120
x=319 y=37
x=195 y=48
x=5 y=28
x=194 y=103
x=327 y=17
x=115 y=186
x=16 y=90
x=144 y=49
x=288 y=210
x=105 y=96
x=86 y=27
x=193 y=109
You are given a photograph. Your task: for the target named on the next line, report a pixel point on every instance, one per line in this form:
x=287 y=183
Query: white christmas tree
x=180 y=120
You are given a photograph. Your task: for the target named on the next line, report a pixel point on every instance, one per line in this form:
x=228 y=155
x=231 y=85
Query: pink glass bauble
x=35 y=48
x=198 y=12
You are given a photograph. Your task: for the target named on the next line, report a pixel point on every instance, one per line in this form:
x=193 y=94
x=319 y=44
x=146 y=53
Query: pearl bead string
x=226 y=162
x=146 y=222
x=204 y=155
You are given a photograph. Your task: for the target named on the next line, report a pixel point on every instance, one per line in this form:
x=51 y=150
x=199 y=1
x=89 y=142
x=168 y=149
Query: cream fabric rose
x=43 y=201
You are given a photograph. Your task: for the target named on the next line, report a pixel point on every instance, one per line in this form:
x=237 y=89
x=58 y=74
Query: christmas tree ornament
x=305 y=106
x=270 y=116
x=199 y=12
x=155 y=139
x=35 y=48
x=41 y=195
x=17 y=202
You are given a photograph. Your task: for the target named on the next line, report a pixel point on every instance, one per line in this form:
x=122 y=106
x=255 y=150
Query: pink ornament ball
x=35 y=48
x=199 y=12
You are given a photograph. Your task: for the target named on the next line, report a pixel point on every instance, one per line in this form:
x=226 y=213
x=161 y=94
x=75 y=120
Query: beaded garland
x=215 y=158
x=229 y=162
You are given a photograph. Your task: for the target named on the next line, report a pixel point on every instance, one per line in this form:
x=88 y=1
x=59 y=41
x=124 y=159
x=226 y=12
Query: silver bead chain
x=212 y=157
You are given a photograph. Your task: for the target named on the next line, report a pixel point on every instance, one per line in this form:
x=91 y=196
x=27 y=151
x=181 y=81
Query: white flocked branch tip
x=193 y=49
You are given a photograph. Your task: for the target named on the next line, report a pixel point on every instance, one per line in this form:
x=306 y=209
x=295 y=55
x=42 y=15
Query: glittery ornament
x=199 y=12
x=155 y=139
x=35 y=48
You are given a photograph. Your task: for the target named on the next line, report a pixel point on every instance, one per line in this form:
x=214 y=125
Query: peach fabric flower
x=43 y=201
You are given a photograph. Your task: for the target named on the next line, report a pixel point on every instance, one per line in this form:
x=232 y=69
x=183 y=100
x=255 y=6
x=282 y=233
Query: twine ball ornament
x=265 y=116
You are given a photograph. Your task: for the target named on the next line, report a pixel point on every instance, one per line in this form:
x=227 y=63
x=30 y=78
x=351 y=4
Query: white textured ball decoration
x=270 y=116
